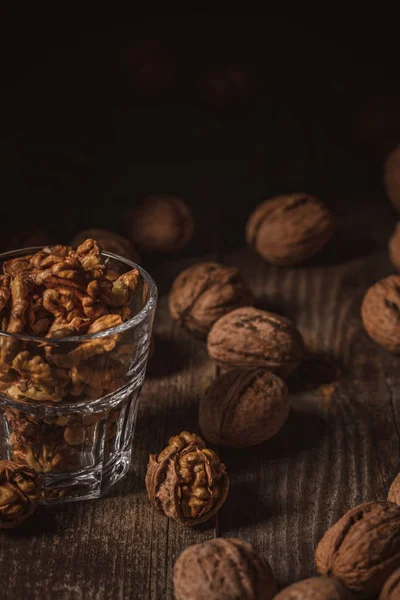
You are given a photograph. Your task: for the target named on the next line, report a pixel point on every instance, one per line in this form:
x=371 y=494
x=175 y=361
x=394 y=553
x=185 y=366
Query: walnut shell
x=19 y=493
x=109 y=241
x=394 y=491
x=161 y=224
x=249 y=337
x=243 y=407
x=315 y=588
x=363 y=548
x=394 y=247
x=288 y=229
x=203 y=293
x=186 y=481
x=380 y=313
x=391 y=589
x=391 y=177
x=222 y=569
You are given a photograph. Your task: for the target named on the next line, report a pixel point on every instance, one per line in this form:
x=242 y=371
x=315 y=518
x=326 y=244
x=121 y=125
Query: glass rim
x=129 y=324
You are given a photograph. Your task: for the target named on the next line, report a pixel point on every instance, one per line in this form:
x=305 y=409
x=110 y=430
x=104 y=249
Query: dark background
x=82 y=143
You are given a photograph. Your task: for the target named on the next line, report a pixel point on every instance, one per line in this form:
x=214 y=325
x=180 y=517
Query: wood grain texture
x=341 y=443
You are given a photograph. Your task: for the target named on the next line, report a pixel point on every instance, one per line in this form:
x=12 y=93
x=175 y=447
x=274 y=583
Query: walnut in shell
x=186 y=481
x=394 y=491
x=391 y=589
x=394 y=247
x=161 y=224
x=223 y=569
x=363 y=548
x=203 y=293
x=227 y=85
x=380 y=313
x=19 y=493
x=288 y=229
x=315 y=588
x=109 y=241
x=149 y=68
x=391 y=177
x=243 y=407
x=249 y=337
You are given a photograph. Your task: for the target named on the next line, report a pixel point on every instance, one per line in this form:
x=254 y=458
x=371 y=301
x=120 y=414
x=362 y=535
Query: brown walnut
x=394 y=247
x=148 y=66
x=223 y=569
x=391 y=177
x=380 y=313
x=391 y=589
x=315 y=588
x=19 y=493
x=394 y=491
x=161 y=224
x=363 y=548
x=243 y=407
x=226 y=85
x=203 y=293
x=249 y=337
x=186 y=481
x=288 y=229
x=109 y=241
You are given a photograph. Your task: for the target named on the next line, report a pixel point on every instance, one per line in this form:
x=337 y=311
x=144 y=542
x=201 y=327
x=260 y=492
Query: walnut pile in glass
x=82 y=445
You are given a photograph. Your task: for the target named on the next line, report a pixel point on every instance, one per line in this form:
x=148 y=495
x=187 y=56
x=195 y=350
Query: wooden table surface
x=340 y=445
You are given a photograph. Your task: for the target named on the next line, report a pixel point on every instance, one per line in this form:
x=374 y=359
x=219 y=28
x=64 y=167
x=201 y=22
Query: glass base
x=86 y=484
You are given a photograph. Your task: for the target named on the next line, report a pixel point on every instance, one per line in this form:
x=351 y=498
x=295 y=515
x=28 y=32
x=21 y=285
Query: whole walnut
x=394 y=491
x=19 y=493
x=222 y=569
x=250 y=337
x=148 y=67
x=363 y=548
x=380 y=313
x=160 y=224
x=243 y=407
x=203 y=293
x=186 y=481
x=109 y=241
x=288 y=229
x=315 y=588
x=391 y=589
x=394 y=247
x=226 y=85
x=391 y=177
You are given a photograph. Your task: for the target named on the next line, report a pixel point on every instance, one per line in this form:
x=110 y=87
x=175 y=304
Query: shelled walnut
x=391 y=589
x=249 y=337
x=286 y=230
x=160 y=224
x=203 y=293
x=315 y=588
x=223 y=569
x=362 y=549
x=186 y=481
x=19 y=493
x=394 y=247
x=380 y=311
x=394 y=491
x=109 y=241
x=54 y=294
x=243 y=407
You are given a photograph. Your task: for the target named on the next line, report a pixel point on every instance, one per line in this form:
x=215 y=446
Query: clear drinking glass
x=81 y=445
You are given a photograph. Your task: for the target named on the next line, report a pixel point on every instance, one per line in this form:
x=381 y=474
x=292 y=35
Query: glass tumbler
x=80 y=444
